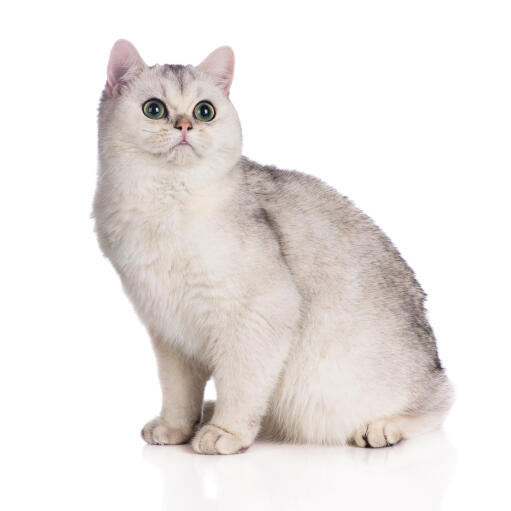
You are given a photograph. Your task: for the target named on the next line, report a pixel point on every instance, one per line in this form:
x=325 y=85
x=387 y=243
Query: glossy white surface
x=274 y=477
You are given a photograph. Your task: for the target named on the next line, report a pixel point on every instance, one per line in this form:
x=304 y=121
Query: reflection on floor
x=412 y=475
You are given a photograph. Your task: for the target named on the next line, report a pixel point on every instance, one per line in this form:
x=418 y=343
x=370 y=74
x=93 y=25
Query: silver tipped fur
x=307 y=317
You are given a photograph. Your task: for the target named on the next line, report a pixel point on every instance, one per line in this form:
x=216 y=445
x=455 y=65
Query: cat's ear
x=124 y=64
x=220 y=65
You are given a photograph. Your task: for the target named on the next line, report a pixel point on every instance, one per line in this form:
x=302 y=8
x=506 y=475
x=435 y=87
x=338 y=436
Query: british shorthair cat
x=270 y=282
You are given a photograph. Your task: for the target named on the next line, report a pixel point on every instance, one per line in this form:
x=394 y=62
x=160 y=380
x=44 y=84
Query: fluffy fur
x=306 y=316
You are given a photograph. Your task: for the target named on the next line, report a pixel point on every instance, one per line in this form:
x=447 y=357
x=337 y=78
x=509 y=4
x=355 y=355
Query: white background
x=405 y=106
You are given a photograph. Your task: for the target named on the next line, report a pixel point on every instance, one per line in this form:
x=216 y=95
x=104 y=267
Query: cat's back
x=322 y=229
x=339 y=258
x=320 y=212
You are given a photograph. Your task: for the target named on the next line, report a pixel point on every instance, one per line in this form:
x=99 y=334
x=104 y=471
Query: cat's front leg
x=247 y=368
x=182 y=384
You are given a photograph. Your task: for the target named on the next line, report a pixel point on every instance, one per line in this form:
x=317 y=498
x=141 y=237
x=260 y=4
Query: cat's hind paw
x=380 y=433
x=160 y=432
x=212 y=439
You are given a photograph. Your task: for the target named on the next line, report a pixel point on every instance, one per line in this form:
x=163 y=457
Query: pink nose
x=183 y=125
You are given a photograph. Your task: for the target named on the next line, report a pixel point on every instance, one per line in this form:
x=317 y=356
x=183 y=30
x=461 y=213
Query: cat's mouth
x=182 y=143
x=183 y=147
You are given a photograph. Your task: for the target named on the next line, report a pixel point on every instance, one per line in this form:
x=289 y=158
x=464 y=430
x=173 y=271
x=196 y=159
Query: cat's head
x=179 y=114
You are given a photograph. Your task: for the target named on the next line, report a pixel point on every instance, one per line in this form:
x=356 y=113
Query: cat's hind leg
x=387 y=432
x=426 y=414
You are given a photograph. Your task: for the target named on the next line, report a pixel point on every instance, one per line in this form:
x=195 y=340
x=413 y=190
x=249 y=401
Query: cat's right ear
x=124 y=64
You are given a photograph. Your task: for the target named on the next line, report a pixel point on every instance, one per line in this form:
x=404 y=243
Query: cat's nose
x=184 y=125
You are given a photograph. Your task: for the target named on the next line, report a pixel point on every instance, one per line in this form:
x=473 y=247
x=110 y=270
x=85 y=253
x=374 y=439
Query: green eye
x=204 y=111
x=154 y=109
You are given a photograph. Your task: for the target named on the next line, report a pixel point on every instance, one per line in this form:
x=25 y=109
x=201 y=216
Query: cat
x=270 y=282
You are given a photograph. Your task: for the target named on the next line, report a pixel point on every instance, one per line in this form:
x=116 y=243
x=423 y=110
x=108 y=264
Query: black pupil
x=154 y=109
x=204 y=111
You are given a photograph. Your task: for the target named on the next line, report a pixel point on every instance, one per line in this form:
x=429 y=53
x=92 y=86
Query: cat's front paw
x=213 y=439
x=160 y=432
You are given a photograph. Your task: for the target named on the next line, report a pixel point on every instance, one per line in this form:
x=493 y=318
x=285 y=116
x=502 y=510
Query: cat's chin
x=182 y=154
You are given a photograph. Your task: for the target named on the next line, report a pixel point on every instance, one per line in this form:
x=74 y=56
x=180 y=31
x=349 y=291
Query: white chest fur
x=173 y=256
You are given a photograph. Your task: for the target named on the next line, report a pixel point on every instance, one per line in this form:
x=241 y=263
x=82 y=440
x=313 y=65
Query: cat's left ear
x=220 y=65
x=124 y=64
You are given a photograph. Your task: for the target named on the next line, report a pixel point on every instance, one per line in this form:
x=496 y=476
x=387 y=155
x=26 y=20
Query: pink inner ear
x=220 y=65
x=123 y=65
